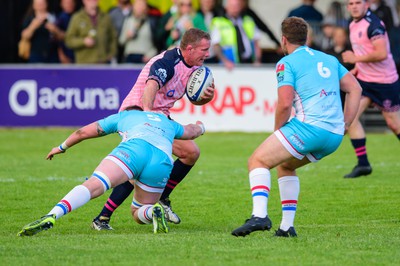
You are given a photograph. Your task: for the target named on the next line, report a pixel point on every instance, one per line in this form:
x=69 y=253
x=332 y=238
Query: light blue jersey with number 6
x=315 y=77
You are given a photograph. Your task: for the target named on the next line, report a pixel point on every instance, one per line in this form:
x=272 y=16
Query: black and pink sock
x=178 y=173
x=361 y=151
x=118 y=195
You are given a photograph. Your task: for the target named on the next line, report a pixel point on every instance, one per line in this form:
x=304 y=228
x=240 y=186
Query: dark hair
x=295 y=30
x=193 y=36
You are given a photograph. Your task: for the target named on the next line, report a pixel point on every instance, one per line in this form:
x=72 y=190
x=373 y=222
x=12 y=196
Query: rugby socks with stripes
x=260 y=183
x=118 y=195
x=145 y=214
x=289 y=189
x=77 y=197
x=361 y=151
x=178 y=173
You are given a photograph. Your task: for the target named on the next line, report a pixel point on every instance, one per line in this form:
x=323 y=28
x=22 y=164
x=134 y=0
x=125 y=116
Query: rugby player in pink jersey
x=159 y=85
x=376 y=72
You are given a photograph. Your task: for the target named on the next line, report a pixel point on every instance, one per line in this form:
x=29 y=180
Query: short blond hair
x=192 y=37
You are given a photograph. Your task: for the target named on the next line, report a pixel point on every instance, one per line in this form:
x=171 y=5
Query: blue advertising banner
x=59 y=96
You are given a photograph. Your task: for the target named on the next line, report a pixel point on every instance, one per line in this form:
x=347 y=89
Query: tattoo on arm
x=100 y=131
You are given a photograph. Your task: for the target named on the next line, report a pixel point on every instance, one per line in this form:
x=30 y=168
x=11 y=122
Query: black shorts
x=385 y=97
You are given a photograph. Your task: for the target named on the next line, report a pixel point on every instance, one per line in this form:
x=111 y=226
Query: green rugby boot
x=160 y=224
x=44 y=223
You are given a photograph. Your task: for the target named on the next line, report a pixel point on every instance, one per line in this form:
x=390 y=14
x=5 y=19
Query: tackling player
x=144 y=156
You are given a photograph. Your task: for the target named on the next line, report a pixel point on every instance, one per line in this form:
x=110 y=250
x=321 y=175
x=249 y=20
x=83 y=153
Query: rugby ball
x=198 y=82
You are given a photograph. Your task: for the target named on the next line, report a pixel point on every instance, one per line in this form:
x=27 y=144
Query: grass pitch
x=339 y=221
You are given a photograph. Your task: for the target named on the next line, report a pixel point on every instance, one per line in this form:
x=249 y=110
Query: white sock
x=260 y=183
x=289 y=189
x=76 y=198
x=145 y=214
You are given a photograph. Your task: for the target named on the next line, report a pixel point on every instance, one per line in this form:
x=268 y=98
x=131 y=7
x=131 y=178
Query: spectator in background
x=260 y=23
x=162 y=32
x=118 y=15
x=394 y=6
x=137 y=36
x=326 y=38
x=340 y=43
x=207 y=11
x=336 y=14
x=384 y=12
x=235 y=37
x=40 y=30
x=309 y=13
x=68 y=8
x=180 y=22
x=91 y=35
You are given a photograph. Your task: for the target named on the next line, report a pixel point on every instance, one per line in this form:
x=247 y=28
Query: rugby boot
x=358 y=171
x=253 y=224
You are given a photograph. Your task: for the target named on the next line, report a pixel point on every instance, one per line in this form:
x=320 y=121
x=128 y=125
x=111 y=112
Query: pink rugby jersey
x=362 y=33
x=171 y=73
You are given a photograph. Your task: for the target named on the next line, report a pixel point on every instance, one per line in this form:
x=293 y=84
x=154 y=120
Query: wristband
x=203 y=129
x=63 y=146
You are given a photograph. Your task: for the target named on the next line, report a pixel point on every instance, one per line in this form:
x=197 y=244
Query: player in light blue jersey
x=309 y=81
x=144 y=156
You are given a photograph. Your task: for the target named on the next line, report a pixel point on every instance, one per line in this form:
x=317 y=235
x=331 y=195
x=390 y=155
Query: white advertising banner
x=245 y=101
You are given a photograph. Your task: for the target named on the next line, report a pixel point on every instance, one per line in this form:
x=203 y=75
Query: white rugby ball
x=198 y=82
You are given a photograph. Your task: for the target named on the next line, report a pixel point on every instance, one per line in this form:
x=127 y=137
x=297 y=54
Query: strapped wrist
x=63 y=146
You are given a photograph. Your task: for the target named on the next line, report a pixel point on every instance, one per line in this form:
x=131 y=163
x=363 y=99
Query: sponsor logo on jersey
x=161 y=74
x=326 y=93
x=280 y=72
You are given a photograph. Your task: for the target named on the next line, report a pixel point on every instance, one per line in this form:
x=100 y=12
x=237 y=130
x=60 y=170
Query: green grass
x=339 y=221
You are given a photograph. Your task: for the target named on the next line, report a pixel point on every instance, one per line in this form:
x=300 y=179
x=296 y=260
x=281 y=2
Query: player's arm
x=193 y=131
x=284 y=106
x=379 y=53
x=149 y=94
x=352 y=88
x=92 y=130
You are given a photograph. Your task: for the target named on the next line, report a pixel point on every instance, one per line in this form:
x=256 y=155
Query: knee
x=285 y=169
x=255 y=161
x=189 y=155
x=134 y=212
x=193 y=154
x=393 y=125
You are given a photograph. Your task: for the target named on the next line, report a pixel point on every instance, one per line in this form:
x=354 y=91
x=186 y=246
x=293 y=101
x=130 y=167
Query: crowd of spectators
x=134 y=31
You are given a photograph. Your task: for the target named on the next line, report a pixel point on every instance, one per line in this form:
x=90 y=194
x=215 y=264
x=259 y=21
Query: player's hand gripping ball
x=198 y=82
